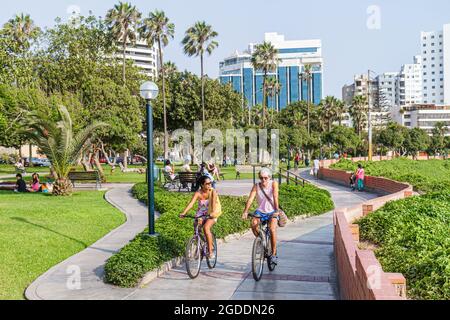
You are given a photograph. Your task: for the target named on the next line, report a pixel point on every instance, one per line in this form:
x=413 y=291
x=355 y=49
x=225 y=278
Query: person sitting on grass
x=21 y=186
x=35 y=183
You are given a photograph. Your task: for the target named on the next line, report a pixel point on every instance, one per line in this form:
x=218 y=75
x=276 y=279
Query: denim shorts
x=265 y=216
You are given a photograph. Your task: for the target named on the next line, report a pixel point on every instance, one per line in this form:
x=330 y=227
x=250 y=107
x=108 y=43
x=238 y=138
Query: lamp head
x=149 y=90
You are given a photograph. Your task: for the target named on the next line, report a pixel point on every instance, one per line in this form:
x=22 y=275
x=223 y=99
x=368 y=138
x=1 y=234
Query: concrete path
x=61 y=281
x=305 y=270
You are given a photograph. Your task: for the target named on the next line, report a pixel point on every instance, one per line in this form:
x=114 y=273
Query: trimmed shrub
x=144 y=254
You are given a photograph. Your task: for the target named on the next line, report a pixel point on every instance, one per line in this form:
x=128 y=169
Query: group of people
x=266 y=194
x=209 y=170
x=35 y=184
x=357 y=179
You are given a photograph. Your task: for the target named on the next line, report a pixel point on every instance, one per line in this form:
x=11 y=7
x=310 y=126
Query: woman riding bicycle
x=263 y=191
x=207 y=199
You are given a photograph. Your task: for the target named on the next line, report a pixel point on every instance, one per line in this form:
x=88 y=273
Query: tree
x=123 y=20
x=343 y=138
x=340 y=110
x=22 y=29
x=157 y=28
x=198 y=40
x=358 y=111
x=273 y=88
x=416 y=140
x=58 y=142
x=393 y=137
x=438 y=137
x=306 y=75
x=265 y=58
x=329 y=112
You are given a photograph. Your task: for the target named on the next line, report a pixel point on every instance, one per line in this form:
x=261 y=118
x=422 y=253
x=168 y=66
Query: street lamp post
x=149 y=91
x=369 y=117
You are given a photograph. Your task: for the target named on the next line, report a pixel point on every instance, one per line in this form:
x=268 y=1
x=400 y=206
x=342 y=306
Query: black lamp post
x=149 y=91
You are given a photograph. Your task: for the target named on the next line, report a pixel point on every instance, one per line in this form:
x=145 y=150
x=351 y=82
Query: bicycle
x=197 y=249
x=262 y=248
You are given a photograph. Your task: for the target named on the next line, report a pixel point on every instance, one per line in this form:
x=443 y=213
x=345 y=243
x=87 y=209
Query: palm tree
x=329 y=112
x=340 y=110
x=273 y=88
x=122 y=21
x=157 y=28
x=265 y=58
x=197 y=40
x=170 y=68
x=22 y=29
x=307 y=76
x=58 y=142
x=358 y=111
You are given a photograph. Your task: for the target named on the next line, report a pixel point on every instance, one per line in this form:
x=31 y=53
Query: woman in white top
x=170 y=169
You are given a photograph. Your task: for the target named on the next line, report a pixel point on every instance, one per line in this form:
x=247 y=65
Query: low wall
x=360 y=274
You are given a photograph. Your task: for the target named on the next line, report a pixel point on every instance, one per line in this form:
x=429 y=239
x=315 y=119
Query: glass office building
x=238 y=71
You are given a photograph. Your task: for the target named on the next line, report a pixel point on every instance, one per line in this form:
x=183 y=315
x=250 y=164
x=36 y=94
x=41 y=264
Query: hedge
x=413 y=235
x=144 y=254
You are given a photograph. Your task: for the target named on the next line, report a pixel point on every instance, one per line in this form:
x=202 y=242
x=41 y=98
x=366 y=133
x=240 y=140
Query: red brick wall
x=360 y=274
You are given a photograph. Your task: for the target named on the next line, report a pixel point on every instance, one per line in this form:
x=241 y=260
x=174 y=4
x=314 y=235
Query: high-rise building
x=409 y=83
x=143 y=57
x=238 y=71
x=387 y=88
x=435 y=46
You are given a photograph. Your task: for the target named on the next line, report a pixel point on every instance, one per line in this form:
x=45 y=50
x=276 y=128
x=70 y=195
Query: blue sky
x=349 y=46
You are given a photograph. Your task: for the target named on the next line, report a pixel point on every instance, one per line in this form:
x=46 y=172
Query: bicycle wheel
x=269 y=255
x=212 y=262
x=193 y=257
x=258 y=258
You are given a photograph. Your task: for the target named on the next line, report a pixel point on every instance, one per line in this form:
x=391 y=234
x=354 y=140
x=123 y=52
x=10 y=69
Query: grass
x=424 y=175
x=38 y=231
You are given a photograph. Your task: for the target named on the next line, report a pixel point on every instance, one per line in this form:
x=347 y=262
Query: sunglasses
x=264 y=178
x=207 y=183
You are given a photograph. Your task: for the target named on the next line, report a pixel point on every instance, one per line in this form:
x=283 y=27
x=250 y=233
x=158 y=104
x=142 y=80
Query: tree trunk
x=30 y=149
x=264 y=98
x=166 y=134
x=308 y=102
x=124 y=61
x=62 y=187
x=203 y=87
x=99 y=167
x=125 y=159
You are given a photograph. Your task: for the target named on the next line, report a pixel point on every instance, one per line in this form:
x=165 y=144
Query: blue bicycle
x=262 y=248
x=197 y=249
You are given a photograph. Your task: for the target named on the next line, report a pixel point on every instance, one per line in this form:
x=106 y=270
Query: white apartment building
x=424 y=116
x=409 y=83
x=143 y=57
x=435 y=46
x=387 y=88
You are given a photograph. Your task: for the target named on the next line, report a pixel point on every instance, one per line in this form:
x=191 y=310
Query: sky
x=356 y=35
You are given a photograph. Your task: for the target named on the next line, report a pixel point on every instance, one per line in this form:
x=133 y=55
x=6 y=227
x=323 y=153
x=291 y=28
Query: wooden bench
x=85 y=176
x=245 y=169
x=169 y=182
x=186 y=179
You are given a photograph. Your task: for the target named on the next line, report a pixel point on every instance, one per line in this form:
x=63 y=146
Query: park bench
x=169 y=182
x=188 y=180
x=85 y=176
x=245 y=169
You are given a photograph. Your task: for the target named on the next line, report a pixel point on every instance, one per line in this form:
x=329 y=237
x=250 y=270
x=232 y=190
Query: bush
x=144 y=254
x=413 y=235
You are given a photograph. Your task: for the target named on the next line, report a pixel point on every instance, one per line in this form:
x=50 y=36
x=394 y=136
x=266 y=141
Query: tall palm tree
x=273 y=88
x=265 y=58
x=170 y=68
x=358 y=112
x=198 y=39
x=122 y=21
x=157 y=28
x=59 y=143
x=22 y=29
x=340 y=110
x=329 y=111
x=306 y=75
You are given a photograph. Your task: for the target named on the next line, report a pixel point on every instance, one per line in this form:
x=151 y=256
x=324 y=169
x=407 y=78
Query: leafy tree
x=157 y=28
x=343 y=139
x=416 y=140
x=123 y=20
x=438 y=138
x=393 y=137
x=265 y=58
x=198 y=39
x=58 y=142
x=329 y=114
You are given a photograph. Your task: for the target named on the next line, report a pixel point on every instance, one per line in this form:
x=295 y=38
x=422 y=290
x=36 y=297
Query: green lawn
x=38 y=231
x=424 y=175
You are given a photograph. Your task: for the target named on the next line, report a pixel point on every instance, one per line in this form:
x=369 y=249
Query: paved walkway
x=305 y=270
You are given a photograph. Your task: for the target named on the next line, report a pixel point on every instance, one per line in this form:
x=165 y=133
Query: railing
x=280 y=174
